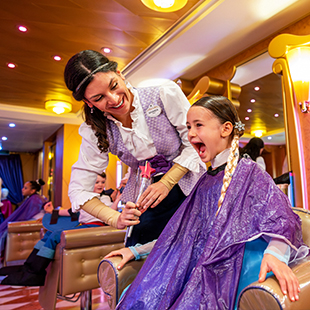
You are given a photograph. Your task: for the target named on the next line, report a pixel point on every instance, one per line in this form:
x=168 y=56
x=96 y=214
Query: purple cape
x=197 y=259
x=30 y=207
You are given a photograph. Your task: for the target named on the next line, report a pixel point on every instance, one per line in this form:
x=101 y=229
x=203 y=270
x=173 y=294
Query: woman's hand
x=287 y=279
x=152 y=196
x=126 y=256
x=129 y=216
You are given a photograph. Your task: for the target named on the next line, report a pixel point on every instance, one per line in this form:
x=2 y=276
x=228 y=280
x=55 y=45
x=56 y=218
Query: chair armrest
x=113 y=281
x=84 y=237
x=24 y=226
x=257 y=295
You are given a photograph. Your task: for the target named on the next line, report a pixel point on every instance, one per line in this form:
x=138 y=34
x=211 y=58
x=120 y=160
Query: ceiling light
x=257 y=133
x=0 y=146
x=256 y=88
x=58 y=106
x=11 y=65
x=246 y=118
x=164 y=5
x=57 y=58
x=249 y=110
x=106 y=50
x=253 y=100
x=4 y=138
x=12 y=125
x=269 y=138
x=276 y=115
x=22 y=29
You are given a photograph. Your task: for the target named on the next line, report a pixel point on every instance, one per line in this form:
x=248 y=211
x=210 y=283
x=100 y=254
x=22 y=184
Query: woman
x=136 y=124
x=197 y=261
x=30 y=208
x=254 y=148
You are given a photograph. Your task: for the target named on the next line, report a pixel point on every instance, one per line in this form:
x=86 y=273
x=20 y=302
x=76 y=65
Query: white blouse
x=137 y=140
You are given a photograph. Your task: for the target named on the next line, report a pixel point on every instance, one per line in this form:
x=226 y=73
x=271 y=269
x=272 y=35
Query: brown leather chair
x=268 y=295
x=22 y=237
x=74 y=269
x=256 y=296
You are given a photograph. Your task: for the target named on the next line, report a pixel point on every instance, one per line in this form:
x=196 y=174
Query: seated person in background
x=6 y=207
x=33 y=272
x=254 y=148
x=197 y=260
x=30 y=208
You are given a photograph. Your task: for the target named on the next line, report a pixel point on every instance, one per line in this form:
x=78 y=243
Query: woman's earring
x=91 y=110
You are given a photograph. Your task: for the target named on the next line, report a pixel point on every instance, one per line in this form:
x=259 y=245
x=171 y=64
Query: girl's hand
x=287 y=279
x=129 y=216
x=152 y=196
x=126 y=256
x=48 y=207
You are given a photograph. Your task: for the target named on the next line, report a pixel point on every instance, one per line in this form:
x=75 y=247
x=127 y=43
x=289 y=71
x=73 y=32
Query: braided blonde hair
x=225 y=111
x=232 y=161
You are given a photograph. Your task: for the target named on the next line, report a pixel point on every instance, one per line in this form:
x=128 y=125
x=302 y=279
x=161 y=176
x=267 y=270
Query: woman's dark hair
x=253 y=148
x=36 y=185
x=79 y=72
x=222 y=108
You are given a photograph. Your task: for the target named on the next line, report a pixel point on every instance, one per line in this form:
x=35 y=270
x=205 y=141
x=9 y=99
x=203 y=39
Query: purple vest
x=165 y=137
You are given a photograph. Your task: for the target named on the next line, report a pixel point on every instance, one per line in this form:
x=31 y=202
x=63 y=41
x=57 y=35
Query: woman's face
x=99 y=185
x=27 y=190
x=206 y=134
x=109 y=93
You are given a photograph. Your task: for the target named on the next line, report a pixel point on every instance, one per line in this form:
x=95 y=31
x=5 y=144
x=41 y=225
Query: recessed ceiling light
x=106 y=50
x=253 y=100
x=57 y=58
x=246 y=118
x=256 y=88
x=22 y=29
x=12 y=125
x=4 y=138
x=249 y=110
x=276 y=115
x=269 y=138
x=11 y=65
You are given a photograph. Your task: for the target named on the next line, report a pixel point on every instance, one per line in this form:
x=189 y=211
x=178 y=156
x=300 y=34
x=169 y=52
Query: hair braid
x=232 y=162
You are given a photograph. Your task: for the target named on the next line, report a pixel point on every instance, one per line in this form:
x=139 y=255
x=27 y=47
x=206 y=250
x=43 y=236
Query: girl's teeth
x=119 y=105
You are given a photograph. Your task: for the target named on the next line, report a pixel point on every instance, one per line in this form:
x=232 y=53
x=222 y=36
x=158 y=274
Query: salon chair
x=256 y=296
x=74 y=268
x=21 y=238
x=268 y=295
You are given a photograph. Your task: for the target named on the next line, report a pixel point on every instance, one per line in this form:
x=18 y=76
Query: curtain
x=11 y=175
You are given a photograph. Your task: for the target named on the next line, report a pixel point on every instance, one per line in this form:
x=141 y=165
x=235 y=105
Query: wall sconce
x=164 y=5
x=298 y=59
x=58 y=106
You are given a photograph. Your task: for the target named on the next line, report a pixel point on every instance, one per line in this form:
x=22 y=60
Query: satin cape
x=197 y=260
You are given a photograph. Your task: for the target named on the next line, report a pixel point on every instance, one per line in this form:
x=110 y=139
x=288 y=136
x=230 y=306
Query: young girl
x=197 y=260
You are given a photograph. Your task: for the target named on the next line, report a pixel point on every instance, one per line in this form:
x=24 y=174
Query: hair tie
x=89 y=75
x=37 y=181
x=239 y=126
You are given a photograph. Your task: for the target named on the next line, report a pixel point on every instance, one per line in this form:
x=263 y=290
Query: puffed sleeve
x=176 y=107
x=84 y=172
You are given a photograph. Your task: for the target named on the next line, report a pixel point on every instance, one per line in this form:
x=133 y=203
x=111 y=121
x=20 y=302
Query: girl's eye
x=198 y=125
x=188 y=127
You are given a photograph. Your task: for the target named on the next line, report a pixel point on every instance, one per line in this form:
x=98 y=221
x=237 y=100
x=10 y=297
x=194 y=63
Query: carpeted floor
x=26 y=298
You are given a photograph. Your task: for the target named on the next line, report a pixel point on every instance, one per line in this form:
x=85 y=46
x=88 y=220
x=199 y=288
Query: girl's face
x=99 y=185
x=27 y=190
x=206 y=134
x=109 y=93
